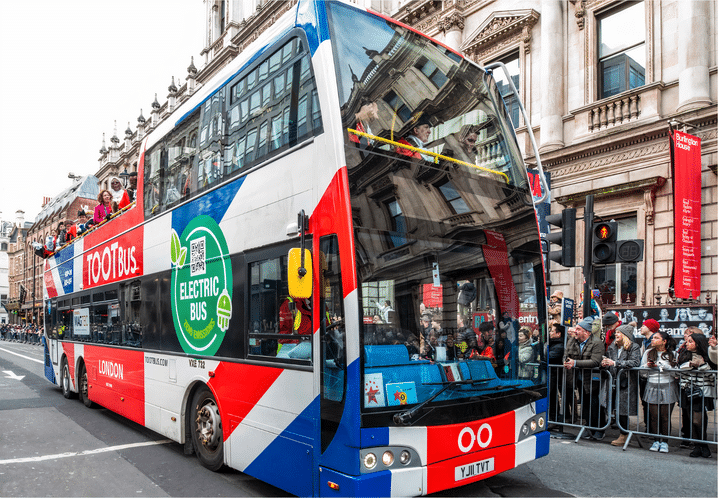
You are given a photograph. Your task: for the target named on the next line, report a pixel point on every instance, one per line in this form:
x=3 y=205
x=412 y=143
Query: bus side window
x=279 y=326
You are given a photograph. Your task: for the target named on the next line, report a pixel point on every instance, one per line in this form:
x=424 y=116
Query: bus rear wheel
x=83 y=388
x=66 y=380
x=207 y=429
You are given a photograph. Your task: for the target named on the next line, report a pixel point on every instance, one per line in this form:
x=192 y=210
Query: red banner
x=687 y=215
x=495 y=254
x=432 y=296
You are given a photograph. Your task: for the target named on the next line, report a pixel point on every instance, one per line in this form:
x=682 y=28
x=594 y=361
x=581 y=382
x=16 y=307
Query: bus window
x=280 y=326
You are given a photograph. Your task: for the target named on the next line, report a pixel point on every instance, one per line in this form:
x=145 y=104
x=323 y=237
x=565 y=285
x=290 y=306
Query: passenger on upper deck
x=61 y=235
x=132 y=189
x=104 y=210
x=119 y=195
x=417 y=138
x=79 y=227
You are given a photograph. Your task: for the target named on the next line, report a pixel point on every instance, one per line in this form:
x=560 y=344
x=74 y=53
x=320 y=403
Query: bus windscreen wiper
x=404 y=417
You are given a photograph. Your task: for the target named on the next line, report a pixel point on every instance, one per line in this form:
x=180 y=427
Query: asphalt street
x=52 y=446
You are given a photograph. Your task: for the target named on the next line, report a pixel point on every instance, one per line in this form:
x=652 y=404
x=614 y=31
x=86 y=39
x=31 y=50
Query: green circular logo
x=201 y=286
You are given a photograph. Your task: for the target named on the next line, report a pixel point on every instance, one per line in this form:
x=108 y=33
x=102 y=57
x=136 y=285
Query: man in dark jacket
x=555 y=357
x=583 y=354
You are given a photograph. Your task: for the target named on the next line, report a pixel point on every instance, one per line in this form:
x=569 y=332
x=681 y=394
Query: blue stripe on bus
x=541 y=405
x=297 y=476
x=312 y=18
x=376 y=436
x=374 y=484
x=65 y=268
x=542 y=444
x=214 y=204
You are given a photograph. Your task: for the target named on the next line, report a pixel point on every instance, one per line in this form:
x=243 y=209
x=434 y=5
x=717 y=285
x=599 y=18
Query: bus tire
x=206 y=428
x=84 y=387
x=65 y=380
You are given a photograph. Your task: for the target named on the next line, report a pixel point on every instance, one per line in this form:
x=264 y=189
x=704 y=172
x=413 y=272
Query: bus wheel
x=66 y=381
x=207 y=429
x=84 y=387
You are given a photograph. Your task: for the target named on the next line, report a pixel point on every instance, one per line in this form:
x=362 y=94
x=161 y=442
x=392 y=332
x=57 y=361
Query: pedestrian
x=555 y=356
x=648 y=329
x=661 y=392
x=623 y=355
x=610 y=322
x=698 y=388
x=584 y=353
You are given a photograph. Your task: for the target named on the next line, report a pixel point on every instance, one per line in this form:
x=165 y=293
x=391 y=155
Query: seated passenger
x=61 y=235
x=50 y=241
x=119 y=195
x=417 y=138
x=104 y=210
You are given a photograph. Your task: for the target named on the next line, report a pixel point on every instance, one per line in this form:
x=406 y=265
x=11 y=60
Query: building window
x=622 y=53
x=510 y=100
x=398 y=224
x=453 y=198
x=617 y=283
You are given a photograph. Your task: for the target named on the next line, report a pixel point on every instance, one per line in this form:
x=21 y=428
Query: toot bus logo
x=201 y=286
x=111 y=262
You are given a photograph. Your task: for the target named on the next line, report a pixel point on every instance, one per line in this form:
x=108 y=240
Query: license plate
x=473 y=469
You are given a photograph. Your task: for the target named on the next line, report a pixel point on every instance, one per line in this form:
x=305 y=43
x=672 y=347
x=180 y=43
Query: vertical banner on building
x=687 y=179
x=495 y=254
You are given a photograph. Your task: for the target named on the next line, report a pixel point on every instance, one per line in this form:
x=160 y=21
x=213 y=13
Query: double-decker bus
x=325 y=277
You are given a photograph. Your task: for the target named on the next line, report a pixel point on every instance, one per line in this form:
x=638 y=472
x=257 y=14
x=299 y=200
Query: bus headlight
x=370 y=461
x=541 y=422
x=387 y=458
x=405 y=457
x=533 y=425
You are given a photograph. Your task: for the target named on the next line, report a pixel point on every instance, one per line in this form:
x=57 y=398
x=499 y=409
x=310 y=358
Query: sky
x=68 y=70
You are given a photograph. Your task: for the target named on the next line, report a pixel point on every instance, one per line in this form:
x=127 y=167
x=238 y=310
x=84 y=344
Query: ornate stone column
x=552 y=75
x=695 y=42
x=452 y=27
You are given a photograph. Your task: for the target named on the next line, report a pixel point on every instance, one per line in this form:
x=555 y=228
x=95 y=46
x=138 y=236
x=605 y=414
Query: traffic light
x=566 y=220
x=630 y=251
x=604 y=242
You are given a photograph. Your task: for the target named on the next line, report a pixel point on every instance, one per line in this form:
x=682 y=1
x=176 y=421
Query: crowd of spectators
x=648 y=370
x=27 y=334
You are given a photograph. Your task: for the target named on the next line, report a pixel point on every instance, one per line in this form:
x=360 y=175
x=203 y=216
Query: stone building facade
x=17 y=257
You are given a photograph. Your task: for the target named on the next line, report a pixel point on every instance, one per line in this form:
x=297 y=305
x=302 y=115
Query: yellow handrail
x=426 y=152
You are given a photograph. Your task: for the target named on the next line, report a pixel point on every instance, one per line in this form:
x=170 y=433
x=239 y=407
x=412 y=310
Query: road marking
x=22 y=355
x=11 y=375
x=83 y=453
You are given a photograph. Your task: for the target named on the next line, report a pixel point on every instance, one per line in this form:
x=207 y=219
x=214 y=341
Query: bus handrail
x=426 y=152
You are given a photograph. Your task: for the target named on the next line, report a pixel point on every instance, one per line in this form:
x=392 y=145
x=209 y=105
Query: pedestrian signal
x=604 y=242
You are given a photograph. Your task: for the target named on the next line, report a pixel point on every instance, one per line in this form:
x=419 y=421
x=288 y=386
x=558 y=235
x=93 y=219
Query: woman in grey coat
x=622 y=354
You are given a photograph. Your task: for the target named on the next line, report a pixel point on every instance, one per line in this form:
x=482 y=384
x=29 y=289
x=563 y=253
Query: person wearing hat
x=583 y=353
x=622 y=354
x=417 y=138
x=555 y=306
x=79 y=226
x=610 y=322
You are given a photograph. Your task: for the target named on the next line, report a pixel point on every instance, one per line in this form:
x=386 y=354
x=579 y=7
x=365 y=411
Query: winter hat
x=652 y=325
x=609 y=318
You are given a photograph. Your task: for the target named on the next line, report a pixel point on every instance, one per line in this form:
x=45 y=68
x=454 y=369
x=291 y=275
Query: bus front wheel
x=207 y=429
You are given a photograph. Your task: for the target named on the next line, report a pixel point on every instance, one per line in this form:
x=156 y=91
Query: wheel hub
x=208 y=425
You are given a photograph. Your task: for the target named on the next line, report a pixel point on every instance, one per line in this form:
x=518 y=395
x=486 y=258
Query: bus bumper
x=451 y=473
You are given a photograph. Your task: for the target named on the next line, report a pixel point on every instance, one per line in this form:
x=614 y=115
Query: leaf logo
x=177 y=252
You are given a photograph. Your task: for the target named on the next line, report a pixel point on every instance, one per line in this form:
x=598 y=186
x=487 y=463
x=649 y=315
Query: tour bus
x=332 y=255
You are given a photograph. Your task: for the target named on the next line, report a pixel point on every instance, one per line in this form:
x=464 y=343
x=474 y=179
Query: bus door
x=333 y=355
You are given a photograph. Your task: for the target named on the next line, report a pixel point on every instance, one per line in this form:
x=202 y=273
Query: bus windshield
x=447 y=247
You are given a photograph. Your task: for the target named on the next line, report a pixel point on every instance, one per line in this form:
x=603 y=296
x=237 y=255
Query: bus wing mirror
x=299 y=275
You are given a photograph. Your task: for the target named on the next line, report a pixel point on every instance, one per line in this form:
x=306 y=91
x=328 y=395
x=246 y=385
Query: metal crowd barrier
x=590 y=400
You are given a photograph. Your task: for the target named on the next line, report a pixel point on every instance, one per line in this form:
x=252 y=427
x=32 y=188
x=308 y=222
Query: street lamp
x=124 y=175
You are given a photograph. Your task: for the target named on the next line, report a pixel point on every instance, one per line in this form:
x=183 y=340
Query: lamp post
x=124 y=175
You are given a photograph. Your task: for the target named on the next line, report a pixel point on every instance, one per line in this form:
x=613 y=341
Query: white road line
x=22 y=356
x=83 y=453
